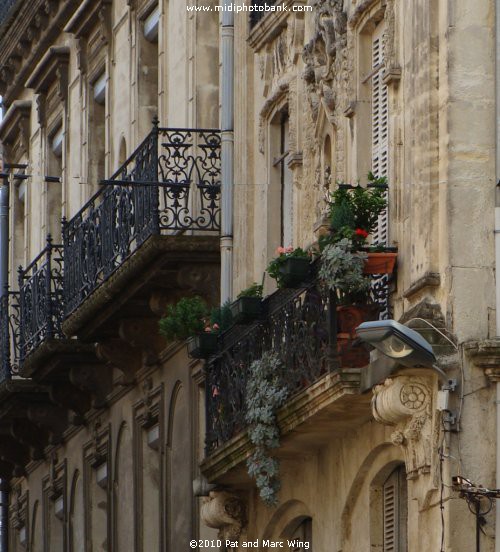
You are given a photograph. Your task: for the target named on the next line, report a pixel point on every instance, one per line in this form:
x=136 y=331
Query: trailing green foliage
x=265 y=394
x=341 y=270
x=184 y=319
x=255 y=290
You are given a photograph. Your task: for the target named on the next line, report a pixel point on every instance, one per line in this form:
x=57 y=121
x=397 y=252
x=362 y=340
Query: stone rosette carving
x=406 y=403
x=226 y=512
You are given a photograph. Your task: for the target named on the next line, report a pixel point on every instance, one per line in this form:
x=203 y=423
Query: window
x=147 y=65
x=53 y=183
x=281 y=183
x=380 y=124
x=97 y=135
x=395 y=511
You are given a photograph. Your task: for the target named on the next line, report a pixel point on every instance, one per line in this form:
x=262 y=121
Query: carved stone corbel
x=226 y=512
x=406 y=403
x=94 y=379
x=122 y=356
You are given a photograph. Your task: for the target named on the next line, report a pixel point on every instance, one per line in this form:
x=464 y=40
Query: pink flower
x=215 y=391
x=289 y=249
x=208 y=329
x=280 y=250
x=215 y=326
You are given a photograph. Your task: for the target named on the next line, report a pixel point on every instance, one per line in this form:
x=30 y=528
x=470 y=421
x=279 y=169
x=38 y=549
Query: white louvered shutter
x=380 y=125
x=394 y=498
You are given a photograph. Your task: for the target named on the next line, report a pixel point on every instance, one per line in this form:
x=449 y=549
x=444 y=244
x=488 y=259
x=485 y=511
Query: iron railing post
x=48 y=285
x=334 y=359
x=22 y=315
x=155 y=170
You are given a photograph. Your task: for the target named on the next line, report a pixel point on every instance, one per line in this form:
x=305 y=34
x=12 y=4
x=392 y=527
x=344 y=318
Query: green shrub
x=184 y=319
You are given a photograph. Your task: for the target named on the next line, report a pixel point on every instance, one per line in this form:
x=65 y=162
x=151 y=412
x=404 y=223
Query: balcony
x=85 y=318
x=41 y=300
x=9 y=335
x=162 y=205
x=322 y=370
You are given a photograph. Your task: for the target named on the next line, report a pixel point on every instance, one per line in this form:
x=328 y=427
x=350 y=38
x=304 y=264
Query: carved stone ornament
x=406 y=403
x=324 y=54
x=225 y=512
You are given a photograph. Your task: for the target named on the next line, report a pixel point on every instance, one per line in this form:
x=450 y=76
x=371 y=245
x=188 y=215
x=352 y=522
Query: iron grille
x=41 y=299
x=9 y=335
x=300 y=326
x=170 y=184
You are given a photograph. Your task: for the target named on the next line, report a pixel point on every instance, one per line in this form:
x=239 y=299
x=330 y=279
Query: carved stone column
x=226 y=512
x=405 y=402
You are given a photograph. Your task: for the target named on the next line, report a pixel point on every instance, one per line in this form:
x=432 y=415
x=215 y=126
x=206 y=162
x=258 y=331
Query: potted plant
x=204 y=344
x=248 y=304
x=191 y=319
x=291 y=267
x=380 y=260
x=342 y=271
x=354 y=212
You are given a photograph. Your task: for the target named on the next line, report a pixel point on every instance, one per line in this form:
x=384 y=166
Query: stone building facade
x=104 y=426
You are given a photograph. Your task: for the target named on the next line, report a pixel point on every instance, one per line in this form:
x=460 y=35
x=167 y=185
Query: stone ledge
x=485 y=354
x=327 y=409
x=138 y=263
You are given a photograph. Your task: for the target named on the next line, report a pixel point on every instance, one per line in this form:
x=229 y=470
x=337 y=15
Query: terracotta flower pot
x=380 y=263
x=246 y=309
x=349 y=317
x=202 y=345
x=351 y=356
x=294 y=271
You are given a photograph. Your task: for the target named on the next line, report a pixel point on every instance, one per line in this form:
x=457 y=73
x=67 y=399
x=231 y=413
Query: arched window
x=389 y=511
x=280 y=200
x=301 y=537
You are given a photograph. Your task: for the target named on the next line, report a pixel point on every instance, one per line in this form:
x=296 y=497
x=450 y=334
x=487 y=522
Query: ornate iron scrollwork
x=9 y=334
x=41 y=299
x=297 y=327
x=170 y=183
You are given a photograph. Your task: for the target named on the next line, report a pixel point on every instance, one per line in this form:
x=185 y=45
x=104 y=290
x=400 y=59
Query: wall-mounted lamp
x=399 y=343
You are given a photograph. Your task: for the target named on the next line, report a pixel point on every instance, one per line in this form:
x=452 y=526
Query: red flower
x=361 y=232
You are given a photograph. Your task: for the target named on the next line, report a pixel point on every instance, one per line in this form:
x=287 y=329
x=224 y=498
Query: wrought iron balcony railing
x=170 y=184
x=256 y=15
x=304 y=328
x=41 y=299
x=300 y=326
x=9 y=335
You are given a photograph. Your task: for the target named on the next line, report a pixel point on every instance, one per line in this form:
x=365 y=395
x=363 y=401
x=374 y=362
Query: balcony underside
x=159 y=269
x=327 y=409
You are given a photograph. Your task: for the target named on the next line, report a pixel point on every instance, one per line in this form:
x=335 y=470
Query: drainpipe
x=4 y=233
x=497 y=252
x=4 y=279
x=227 y=124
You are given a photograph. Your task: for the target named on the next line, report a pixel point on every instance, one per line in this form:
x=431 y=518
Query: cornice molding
x=24 y=42
x=52 y=67
x=87 y=15
x=16 y=122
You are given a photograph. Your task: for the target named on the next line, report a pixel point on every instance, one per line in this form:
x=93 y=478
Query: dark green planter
x=246 y=309
x=202 y=345
x=294 y=271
